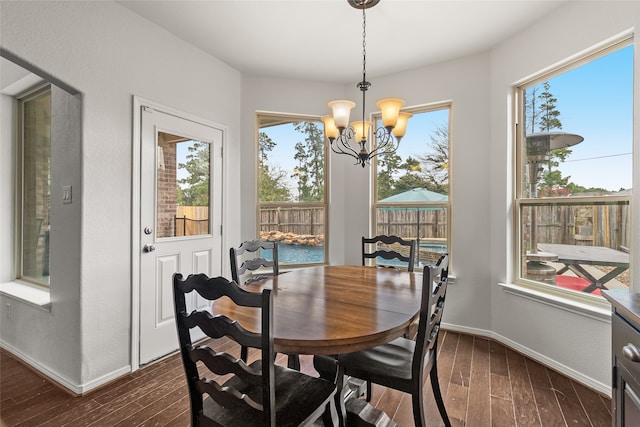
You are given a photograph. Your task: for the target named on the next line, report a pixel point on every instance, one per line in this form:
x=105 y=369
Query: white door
x=180 y=218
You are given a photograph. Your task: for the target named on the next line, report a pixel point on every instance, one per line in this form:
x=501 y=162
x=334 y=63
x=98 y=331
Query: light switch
x=66 y=194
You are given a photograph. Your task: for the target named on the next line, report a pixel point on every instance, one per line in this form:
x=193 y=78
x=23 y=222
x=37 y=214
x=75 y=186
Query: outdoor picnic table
x=576 y=257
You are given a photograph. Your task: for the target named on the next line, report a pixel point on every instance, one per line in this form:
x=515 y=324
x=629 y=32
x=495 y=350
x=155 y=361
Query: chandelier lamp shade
x=359 y=139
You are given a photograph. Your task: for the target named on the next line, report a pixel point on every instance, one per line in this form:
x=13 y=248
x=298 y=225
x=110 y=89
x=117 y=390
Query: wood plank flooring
x=484 y=384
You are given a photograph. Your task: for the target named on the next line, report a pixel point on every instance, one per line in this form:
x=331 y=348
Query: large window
x=34 y=124
x=412 y=185
x=574 y=135
x=292 y=191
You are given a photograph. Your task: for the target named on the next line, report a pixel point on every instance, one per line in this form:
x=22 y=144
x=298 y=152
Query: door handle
x=148 y=248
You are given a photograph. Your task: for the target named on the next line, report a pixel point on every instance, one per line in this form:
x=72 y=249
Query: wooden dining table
x=334 y=309
x=328 y=310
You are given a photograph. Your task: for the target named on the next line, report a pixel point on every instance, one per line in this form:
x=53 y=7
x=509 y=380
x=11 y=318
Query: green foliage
x=436 y=161
x=271 y=179
x=549 y=117
x=541 y=110
x=429 y=170
x=270 y=184
x=309 y=153
x=194 y=189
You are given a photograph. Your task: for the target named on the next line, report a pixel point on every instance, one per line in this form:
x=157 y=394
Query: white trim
x=532 y=354
x=135 y=236
x=62 y=380
x=584 y=309
x=29 y=294
x=136 y=180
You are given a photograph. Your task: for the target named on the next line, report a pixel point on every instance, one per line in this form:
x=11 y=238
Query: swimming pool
x=299 y=254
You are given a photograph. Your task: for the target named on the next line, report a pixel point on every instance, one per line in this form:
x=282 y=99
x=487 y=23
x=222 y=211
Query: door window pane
x=183 y=187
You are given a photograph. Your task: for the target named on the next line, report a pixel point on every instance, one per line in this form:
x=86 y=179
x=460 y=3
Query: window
x=34 y=124
x=292 y=191
x=412 y=185
x=574 y=157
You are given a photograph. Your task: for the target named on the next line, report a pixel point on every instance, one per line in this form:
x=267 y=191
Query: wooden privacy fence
x=191 y=220
x=412 y=223
x=294 y=220
x=604 y=225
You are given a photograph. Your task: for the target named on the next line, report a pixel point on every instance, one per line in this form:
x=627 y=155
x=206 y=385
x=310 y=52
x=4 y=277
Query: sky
x=595 y=101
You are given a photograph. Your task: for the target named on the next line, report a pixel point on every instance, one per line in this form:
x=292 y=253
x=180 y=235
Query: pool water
x=296 y=254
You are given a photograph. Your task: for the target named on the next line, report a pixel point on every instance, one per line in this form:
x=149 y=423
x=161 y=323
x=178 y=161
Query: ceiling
x=321 y=40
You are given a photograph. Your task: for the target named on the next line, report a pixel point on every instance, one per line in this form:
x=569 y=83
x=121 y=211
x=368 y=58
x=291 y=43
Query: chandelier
x=352 y=138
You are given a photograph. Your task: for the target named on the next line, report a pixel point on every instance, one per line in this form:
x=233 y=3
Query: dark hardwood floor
x=484 y=384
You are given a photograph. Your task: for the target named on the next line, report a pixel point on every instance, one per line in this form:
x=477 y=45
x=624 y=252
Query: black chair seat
x=387 y=364
x=291 y=411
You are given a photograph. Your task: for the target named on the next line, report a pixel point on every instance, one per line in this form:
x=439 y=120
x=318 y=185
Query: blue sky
x=596 y=102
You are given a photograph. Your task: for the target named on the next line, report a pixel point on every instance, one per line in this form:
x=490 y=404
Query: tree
x=309 y=173
x=271 y=179
x=549 y=117
x=270 y=184
x=428 y=170
x=388 y=166
x=194 y=189
x=543 y=116
x=436 y=161
x=531 y=109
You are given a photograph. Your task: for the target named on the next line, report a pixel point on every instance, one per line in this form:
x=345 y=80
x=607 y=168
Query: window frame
x=519 y=199
x=283 y=118
x=375 y=205
x=21 y=99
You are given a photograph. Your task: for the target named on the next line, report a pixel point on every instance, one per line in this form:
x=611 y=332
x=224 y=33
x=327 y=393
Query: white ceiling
x=321 y=40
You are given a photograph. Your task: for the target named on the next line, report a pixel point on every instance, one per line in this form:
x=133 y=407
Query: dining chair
x=245 y=260
x=389 y=248
x=248 y=257
x=403 y=364
x=258 y=394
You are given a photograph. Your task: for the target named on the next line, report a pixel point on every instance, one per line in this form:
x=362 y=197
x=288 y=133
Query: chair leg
x=418 y=407
x=435 y=385
x=330 y=415
x=369 y=390
x=293 y=362
x=329 y=369
x=244 y=353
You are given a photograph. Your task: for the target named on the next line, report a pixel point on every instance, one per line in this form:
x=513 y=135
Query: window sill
x=596 y=309
x=30 y=294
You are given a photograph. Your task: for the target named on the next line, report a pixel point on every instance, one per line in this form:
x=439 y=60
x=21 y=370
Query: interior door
x=180 y=212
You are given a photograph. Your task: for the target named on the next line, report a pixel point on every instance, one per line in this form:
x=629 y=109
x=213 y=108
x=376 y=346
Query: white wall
x=109 y=54
x=571 y=341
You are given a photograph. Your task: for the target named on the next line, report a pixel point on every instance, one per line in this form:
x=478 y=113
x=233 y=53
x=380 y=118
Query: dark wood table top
x=334 y=309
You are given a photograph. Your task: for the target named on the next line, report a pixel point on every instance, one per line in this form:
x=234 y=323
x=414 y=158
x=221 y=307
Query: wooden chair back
x=221 y=363
x=435 y=280
x=247 y=258
x=389 y=248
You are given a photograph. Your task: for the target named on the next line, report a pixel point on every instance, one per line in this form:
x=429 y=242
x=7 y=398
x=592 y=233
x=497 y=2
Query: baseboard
x=61 y=380
x=534 y=355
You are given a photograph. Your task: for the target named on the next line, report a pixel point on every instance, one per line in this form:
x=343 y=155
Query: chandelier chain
x=364 y=44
